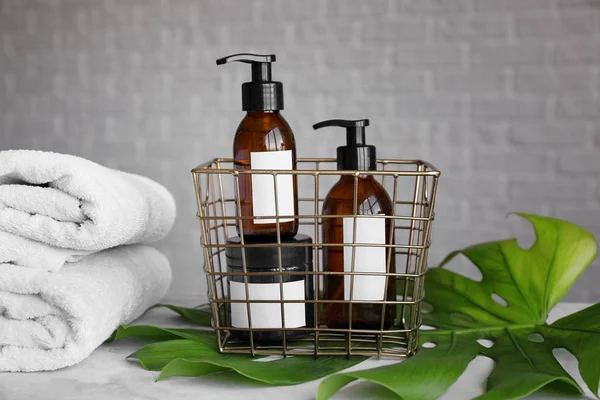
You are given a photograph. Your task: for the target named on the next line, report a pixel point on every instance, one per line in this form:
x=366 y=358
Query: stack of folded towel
x=72 y=261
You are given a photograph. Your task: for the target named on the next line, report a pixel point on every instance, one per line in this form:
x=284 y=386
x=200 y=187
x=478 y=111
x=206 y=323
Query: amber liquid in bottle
x=372 y=200
x=262 y=131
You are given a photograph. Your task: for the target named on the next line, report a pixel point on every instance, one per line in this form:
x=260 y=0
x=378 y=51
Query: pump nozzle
x=344 y=123
x=356 y=155
x=247 y=58
x=261 y=94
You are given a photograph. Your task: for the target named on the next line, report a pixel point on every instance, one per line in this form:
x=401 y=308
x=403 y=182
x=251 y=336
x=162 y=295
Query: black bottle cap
x=267 y=258
x=261 y=94
x=356 y=154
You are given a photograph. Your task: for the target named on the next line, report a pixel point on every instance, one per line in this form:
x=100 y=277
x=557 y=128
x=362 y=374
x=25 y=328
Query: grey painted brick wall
x=502 y=95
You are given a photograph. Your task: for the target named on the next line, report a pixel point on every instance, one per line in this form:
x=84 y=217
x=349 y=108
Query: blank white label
x=263 y=186
x=267 y=315
x=366 y=258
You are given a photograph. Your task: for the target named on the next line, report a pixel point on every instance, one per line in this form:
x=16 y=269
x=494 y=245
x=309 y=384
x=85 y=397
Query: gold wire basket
x=412 y=186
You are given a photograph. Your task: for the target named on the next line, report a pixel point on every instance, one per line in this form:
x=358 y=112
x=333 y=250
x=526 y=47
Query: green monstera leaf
x=193 y=353
x=508 y=308
x=198 y=315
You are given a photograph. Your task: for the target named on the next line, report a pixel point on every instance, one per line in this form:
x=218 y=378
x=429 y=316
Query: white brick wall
x=502 y=95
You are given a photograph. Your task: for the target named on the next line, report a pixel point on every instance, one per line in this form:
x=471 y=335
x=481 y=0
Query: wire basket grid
x=411 y=185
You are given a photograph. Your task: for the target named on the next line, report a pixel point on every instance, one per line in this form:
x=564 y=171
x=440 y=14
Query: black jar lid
x=267 y=257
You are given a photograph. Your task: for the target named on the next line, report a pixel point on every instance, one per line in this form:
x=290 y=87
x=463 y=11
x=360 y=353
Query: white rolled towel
x=28 y=253
x=53 y=320
x=69 y=202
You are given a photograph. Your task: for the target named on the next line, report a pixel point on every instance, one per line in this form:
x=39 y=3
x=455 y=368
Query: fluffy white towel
x=69 y=202
x=28 y=253
x=53 y=320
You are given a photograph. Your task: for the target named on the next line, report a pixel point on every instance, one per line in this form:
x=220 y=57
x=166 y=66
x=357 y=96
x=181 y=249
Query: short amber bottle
x=373 y=203
x=268 y=204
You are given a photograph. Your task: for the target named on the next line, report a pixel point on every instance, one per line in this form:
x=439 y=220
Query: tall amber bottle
x=264 y=141
x=373 y=203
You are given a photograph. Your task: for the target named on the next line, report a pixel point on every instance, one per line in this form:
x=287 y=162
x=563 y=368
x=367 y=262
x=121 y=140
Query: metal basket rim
x=205 y=167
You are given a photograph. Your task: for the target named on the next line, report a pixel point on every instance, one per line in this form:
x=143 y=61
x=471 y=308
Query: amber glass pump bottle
x=264 y=141
x=372 y=203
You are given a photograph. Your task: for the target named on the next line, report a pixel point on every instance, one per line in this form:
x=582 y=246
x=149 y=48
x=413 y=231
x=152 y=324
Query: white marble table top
x=106 y=374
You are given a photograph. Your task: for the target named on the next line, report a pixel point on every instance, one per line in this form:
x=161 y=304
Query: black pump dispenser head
x=262 y=94
x=356 y=154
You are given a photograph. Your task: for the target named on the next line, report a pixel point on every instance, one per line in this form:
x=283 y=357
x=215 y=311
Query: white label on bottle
x=263 y=186
x=267 y=315
x=369 y=230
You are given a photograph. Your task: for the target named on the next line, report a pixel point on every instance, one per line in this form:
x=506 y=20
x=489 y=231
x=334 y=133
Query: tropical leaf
x=419 y=377
x=196 y=316
x=156 y=356
x=193 y=352
x=508 y=308
x=159 y=334
x=579 y=333
x=281 y=372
